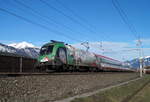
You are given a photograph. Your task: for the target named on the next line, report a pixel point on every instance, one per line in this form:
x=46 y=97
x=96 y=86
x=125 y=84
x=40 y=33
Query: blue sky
x=101 y=22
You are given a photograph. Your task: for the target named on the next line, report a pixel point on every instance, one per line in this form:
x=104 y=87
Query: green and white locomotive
x=59 y=56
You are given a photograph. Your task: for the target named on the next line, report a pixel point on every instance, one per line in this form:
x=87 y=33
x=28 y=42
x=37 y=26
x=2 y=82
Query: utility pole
x=143 y=59
x=86 y=45
x=139 y=43
x=141 y=67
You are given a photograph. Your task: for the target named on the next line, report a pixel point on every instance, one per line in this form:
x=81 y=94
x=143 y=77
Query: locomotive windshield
x=46 y=50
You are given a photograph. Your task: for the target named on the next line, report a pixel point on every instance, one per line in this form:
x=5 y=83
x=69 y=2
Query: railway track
x=61 y=73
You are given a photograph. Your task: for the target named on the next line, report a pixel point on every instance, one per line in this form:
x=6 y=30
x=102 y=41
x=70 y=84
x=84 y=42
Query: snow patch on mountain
x=24 y=49
x=22 y=45
x=5 y=48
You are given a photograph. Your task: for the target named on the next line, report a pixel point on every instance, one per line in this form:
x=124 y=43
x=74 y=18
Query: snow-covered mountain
x=135 y=63
x=9 y=49
x=23 y=49
x=22 y=45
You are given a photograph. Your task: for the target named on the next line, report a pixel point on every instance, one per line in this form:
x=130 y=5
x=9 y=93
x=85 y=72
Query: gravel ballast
x=47 y=88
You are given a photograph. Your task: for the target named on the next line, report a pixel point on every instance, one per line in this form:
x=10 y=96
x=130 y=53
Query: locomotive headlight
x=45 y=59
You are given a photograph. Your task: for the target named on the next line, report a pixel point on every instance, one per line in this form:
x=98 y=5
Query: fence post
x=20 y=64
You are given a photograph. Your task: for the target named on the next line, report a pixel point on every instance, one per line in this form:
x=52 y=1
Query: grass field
x=137 y=91
x=143 y=95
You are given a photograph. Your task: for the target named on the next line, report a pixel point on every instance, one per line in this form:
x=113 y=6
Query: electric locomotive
x=59 y=56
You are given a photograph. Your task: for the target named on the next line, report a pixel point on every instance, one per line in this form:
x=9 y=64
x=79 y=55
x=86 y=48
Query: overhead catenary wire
x=81 y=19
x=75 y=14
x=125 y=18
x=43 y=26
x=67 y=16
x=129 y=24
x=46 y=18
x=37 y=24
x=132 y=29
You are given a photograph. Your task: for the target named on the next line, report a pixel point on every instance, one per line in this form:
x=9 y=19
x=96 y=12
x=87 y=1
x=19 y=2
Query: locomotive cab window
x=50 y=49
x=46 y=49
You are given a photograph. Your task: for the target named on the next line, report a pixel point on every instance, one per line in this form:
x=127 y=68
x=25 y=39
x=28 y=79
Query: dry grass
x=119 y=94
x=143 y=95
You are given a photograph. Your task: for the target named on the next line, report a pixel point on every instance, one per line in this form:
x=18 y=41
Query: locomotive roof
x=52 y=43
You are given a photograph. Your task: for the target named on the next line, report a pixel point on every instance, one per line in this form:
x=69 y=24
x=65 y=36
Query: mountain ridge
x=135 y=63
x=23 y=49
